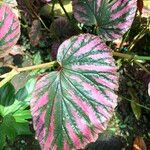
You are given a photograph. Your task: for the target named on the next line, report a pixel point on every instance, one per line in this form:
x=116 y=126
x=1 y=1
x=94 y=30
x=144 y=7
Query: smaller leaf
x=62 y=29
x=35 y=32
x=8 y=127
x=111 y=18
x=134 y=104
x=21 y=116
x=25 y=92
x=7 y=94
x=22 y=128
x=30 y=85
x=22 y=94
x=37 y=59
x=139 y=144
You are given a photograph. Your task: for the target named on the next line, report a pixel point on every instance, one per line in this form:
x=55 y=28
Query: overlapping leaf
x=111 y=18
x=9 y=27
x=71 y=106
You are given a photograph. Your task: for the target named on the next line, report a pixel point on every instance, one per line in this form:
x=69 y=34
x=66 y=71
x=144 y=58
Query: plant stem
x=137 y=38
x=40 y=19
x=123 y=40
x=135 y=102
x=62 y=6
x=52 y=11
x=40 y=66
x=140 y=65
x=140 y=35
x=8 y=76
x=134 y=57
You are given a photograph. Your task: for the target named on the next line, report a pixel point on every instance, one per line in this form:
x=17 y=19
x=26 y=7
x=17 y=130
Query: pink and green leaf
x=9 y=27
x=71 y=106
x=111 y=18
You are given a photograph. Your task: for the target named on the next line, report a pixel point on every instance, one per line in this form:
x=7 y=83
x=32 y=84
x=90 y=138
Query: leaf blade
x=9 y=27
x=70 y=107
x=111 y=19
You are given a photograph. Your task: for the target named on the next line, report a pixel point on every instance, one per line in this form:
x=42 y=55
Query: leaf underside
x=70 y=107
x=111 y=18
x=9 y=27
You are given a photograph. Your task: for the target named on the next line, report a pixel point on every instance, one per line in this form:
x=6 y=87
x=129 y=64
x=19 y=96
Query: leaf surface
x=9 y=27
x=110 y=18
x=7 y=95
x=71 y=106
x=134 y=104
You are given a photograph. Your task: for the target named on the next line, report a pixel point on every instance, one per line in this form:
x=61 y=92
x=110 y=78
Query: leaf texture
x=110 y=18
x=71 y=106
x=9 y=27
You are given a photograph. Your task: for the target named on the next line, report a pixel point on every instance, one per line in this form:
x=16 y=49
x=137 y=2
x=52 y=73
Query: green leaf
x=7 y=127
x=134 y=104
x=111 y=19
x=22 y=115
x=37 y=59
x=30 y=85
x=20 y=108
x=2 y=137
x=22 y=129
x=10 y=129
x=26 y=91
x=7 y=94
x=22 y=94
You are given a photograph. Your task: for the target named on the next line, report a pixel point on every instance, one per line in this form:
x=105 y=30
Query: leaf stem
x=137 y=38
x=147 y=108
x=8 y=76
x=140 y=65
x=124 y=39
x=128 y=56
x=62 y=6
x=40 y=66
x=140 y=35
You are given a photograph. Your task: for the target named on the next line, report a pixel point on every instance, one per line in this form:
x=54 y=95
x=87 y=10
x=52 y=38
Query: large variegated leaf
x=9 y=27
x=71 y=106
x=111 y=18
